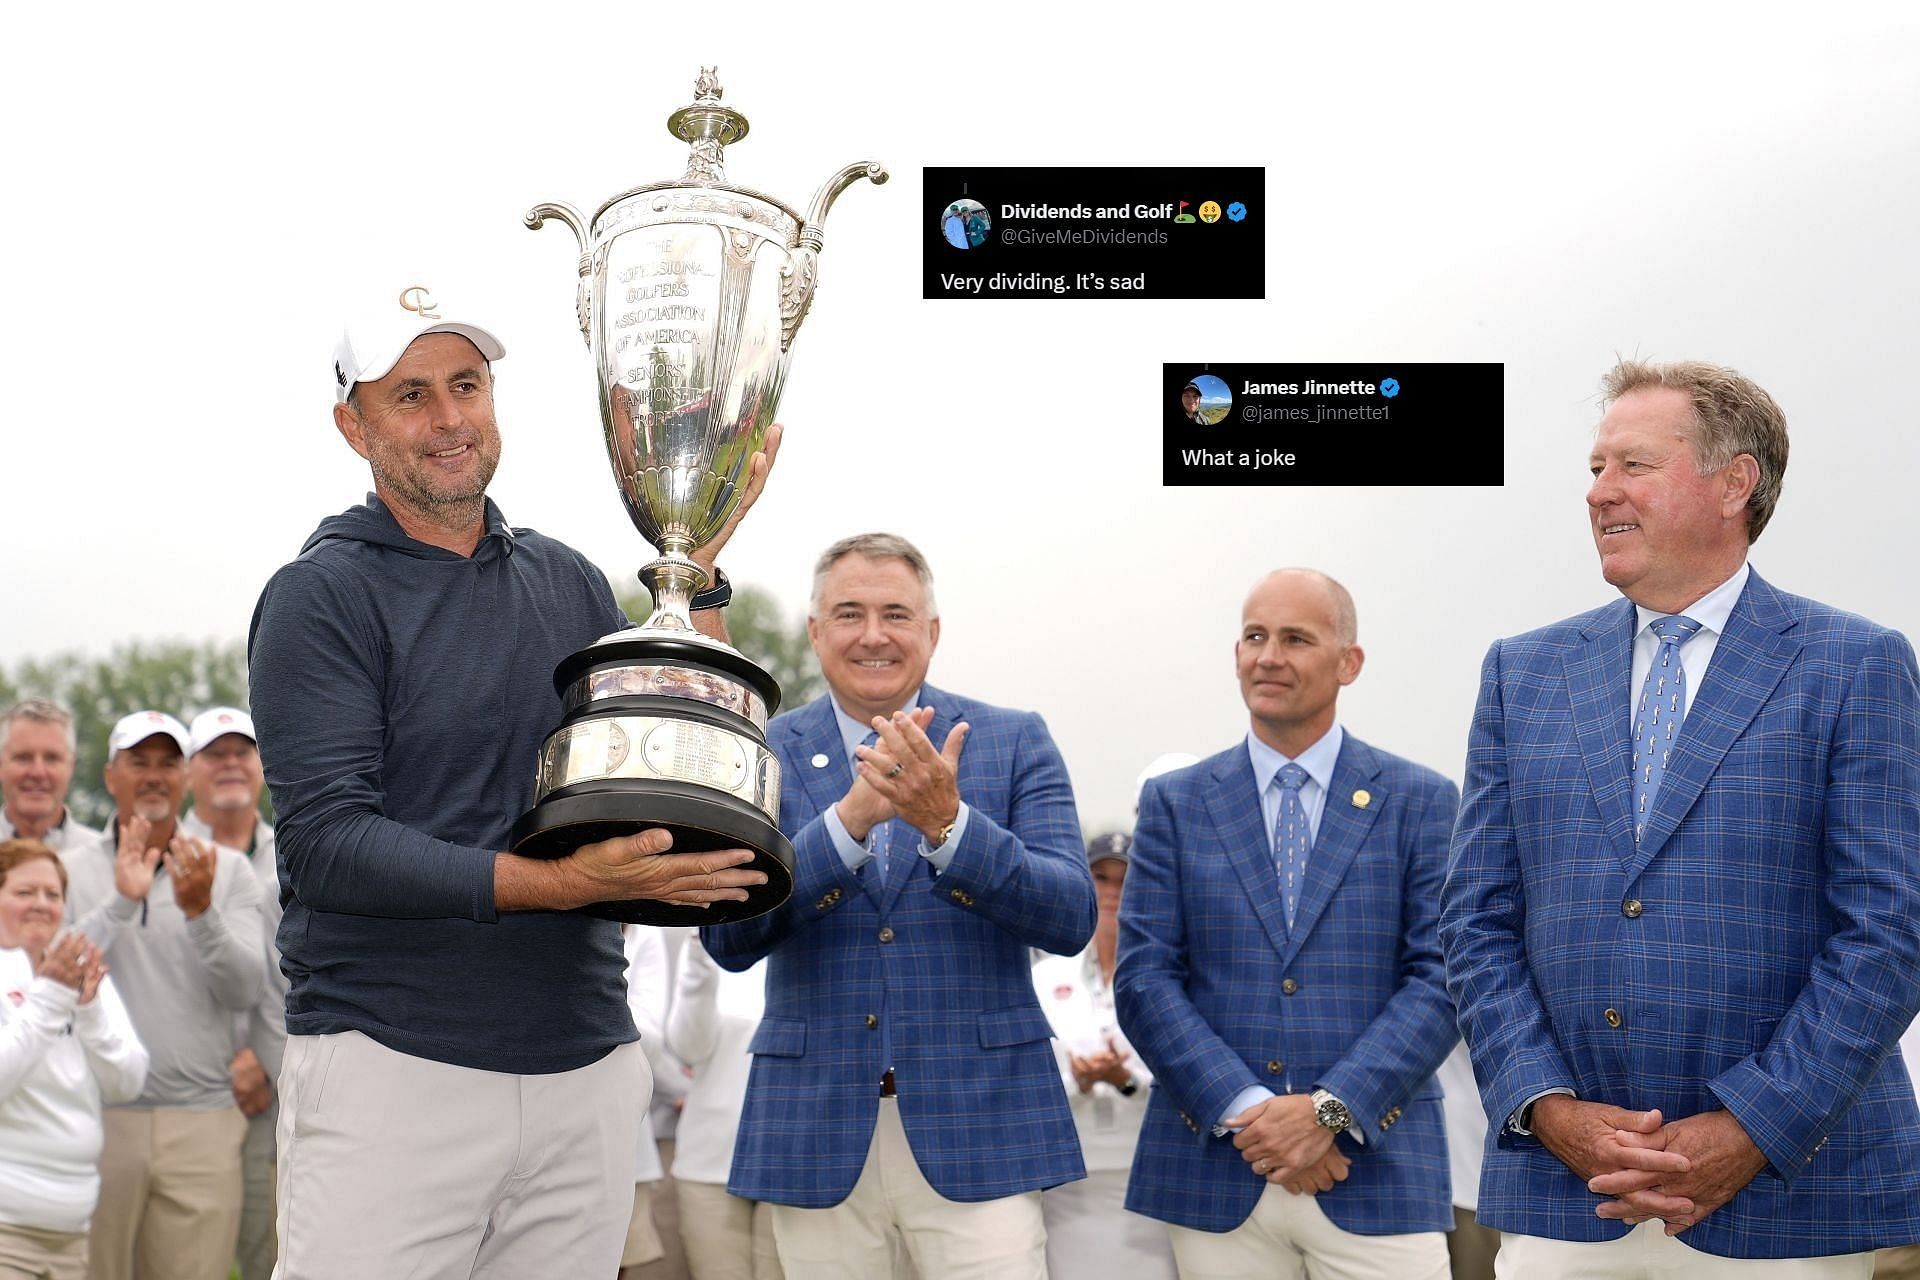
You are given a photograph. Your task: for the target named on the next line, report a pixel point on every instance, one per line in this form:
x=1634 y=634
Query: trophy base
x=699 y=818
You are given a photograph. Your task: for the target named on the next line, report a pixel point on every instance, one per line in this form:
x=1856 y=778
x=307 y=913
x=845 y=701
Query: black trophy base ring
x=699 y=818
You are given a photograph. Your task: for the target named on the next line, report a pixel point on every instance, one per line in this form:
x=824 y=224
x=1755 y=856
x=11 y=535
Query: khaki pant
x=1471 y=1246
x=1897 y=1264
x=643 y=1237
x=169 y=1194
x=1289 y=1237
x=858 y=1239
x=726 y=1238
x=257 y=1247
x=27 y=1253
x=1648 y=1253
x=392 y=1165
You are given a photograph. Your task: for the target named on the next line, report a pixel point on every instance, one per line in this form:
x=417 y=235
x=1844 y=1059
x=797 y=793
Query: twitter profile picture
x=965 y=224
x=1205 y=400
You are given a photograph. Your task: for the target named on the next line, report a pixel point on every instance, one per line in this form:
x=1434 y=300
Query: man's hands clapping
x=1110 y=1066
x=191 y=863
x=133 y=862
x=917 y=782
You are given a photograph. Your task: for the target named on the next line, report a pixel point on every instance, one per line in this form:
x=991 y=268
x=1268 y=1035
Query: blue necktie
x=1291 y=840
x=1656 y=719
x=879 y=834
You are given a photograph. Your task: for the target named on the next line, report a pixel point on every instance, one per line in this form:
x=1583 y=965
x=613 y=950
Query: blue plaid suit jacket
x=979 y=1092
x=1204 y=954
x=1774 y=959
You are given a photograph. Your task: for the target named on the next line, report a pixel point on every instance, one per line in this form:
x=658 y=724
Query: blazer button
x=1288 y=987
x=1613 y=1017
x=821 y=904
x=1275 y=1067
x=873 y=1021
x=886 y=934
x=1631 y=908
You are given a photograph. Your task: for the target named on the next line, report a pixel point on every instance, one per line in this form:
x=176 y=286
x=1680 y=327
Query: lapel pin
x=820 y=760
x=1362 y=798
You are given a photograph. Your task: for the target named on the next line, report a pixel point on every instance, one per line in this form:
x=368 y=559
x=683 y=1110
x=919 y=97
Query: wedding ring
x=897 y=770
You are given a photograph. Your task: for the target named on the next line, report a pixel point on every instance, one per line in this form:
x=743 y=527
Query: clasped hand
x=1678 y=1171
x=1285 y=1143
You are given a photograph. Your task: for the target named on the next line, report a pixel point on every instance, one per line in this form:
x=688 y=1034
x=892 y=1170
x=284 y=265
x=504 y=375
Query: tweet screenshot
x=1333 y=424
x=1094 y=233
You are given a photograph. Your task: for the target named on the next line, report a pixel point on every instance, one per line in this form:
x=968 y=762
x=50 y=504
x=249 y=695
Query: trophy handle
x=583 y=296
x=803 y=264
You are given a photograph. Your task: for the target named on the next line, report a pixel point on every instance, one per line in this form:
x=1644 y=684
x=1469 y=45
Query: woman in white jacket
x=1090 y=1234
x=66 y=1048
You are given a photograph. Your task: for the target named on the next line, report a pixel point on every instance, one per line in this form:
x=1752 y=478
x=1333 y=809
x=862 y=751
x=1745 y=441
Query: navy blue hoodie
x=401 y=693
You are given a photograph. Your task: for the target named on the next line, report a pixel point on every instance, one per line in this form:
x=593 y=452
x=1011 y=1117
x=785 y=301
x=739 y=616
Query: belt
x=886 y=1084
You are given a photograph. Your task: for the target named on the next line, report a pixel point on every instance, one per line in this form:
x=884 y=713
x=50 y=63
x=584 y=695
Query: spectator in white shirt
x=1090 y=1233
x=710 y=1022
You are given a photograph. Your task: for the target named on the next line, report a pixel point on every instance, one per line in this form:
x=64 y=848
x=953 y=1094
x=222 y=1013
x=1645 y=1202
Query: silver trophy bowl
x=690 y=294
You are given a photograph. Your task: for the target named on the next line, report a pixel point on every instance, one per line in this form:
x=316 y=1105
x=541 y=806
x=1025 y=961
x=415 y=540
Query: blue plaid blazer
x=1216 y=996
x=1758 y=950
x=979 y=1092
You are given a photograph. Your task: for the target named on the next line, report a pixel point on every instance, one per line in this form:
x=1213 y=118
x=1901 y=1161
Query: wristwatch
x=717 y=595
x=1329 y=1112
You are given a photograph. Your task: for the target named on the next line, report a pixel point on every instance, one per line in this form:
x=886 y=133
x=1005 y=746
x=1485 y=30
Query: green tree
x=761 y=631
x=173 y=676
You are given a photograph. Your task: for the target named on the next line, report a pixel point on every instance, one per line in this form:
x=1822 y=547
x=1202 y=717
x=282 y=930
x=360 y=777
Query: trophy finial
x=707 y=127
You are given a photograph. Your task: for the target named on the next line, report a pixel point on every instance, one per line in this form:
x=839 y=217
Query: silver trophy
x=690 y=294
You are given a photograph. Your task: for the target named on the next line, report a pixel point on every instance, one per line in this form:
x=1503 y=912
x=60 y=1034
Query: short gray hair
x=874 y=546
x=1732 y=415
x=40 y=711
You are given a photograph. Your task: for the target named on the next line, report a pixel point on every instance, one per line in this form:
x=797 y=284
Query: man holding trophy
x=462 y=1093
x=461 y=1078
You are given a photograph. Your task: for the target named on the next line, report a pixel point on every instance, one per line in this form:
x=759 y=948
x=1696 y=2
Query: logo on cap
x=414 y=298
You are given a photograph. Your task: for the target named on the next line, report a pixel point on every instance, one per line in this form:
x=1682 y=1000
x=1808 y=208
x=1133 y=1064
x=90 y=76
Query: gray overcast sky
x=199 y=200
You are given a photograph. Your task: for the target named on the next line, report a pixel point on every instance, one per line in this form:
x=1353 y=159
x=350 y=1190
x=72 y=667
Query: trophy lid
x=707 y=126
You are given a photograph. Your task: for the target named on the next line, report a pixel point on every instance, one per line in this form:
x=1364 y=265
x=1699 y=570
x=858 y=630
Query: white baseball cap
x=1158 y=765
x=373 y=343
x=132 y=730
x=217 y=723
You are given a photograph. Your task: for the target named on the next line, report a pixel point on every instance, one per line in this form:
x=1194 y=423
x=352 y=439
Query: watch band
x=718 y=595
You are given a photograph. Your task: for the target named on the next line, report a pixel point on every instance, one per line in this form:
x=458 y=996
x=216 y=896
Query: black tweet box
x=1374 y=423
x=1189 y=232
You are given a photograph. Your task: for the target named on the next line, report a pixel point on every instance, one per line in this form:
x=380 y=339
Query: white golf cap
x=218 y=722
x=373 y=343
x=132 y=730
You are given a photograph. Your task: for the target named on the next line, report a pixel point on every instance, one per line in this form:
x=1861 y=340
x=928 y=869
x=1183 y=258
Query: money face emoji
x=1210 y=211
